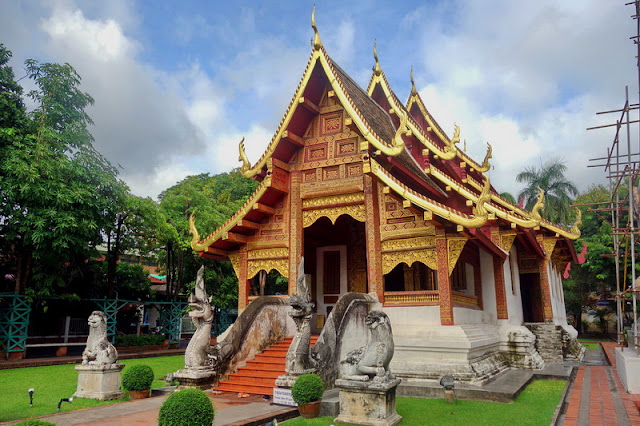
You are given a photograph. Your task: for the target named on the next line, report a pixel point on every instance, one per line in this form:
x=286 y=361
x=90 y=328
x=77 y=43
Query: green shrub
x=186 y=407
x=142 y=340
x=137 y=378
x=35 y=422
x=308 y=388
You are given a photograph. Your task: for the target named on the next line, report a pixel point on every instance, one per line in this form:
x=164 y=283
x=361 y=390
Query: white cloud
x=139 y=124
x=527 y=77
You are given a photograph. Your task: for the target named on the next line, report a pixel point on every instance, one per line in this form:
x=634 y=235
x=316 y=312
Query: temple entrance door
x=532 y=309
x=331 y=276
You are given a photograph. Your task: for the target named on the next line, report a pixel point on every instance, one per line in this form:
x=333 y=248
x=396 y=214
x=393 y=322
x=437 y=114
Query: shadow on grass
x=534 y=406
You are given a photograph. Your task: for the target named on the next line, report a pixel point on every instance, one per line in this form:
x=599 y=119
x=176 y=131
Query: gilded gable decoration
x=392 y=259
x=506 y=241
x=357 y=212
x=454 y=249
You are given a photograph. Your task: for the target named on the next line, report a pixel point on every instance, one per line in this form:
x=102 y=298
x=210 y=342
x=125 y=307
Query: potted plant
x=137 y=380
x=307 y=393
x=190 y=407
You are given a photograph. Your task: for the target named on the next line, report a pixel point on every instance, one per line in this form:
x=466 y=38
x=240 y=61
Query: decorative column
x=374 y=249
x=444 y=283
x=548 y=244
x=498 y=277
x=477 y=284
x=241 y=258
x=501 y=297
x=296 y=231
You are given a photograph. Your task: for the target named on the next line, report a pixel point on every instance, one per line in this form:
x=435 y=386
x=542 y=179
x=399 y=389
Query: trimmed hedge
x=187 y=407
x=137 y=378
x=141 y=340
x=307 y=388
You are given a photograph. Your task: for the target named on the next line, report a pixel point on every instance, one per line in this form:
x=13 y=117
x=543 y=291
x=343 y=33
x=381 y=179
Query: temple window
x=462 y=278
x=269 y=284
x=417 y=277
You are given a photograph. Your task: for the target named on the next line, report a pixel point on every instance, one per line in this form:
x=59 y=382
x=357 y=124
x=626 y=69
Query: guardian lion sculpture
x=372 y=361
x=99 y=351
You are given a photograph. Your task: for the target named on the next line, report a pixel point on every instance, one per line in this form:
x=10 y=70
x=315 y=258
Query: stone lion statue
x=99 y=350
x=372 y=361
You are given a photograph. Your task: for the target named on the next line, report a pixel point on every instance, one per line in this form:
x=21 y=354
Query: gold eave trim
x=320 y=55
x=201 y=245
x=525 y=223
x=415 y=129
x=427 y=204
x=415 y=98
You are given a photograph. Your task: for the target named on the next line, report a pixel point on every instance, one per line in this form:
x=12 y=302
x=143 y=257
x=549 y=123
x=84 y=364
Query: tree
x=57 y=192
x=558 y=190
x=595 y=279
x=138 y=226
x=214 y=199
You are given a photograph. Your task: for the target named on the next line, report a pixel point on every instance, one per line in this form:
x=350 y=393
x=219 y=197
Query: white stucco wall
x=489 y=311
x=557 y=295
x=512 y=289
x=412 y=316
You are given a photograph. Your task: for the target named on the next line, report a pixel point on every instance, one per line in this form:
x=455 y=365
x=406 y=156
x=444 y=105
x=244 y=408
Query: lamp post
x=31 y=391
x=448 y=383
x=64 y=400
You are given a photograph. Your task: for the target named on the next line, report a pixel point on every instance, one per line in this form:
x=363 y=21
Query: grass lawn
x=534 y=406
x=589 y=343
x=54 y=382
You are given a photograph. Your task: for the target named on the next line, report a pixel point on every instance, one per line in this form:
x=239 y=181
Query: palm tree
x=558 y=190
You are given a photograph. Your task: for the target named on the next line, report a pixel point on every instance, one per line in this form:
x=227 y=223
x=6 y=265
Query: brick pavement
x=597 y=396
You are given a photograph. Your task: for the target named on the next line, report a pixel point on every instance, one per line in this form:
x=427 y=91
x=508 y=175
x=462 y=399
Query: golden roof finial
x=377 y=68
x=413 y=83
x=317 y=44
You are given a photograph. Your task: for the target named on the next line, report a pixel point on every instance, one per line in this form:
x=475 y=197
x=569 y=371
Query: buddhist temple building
x=378 y=198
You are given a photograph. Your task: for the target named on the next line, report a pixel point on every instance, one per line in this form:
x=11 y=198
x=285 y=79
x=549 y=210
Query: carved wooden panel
x=331 y=123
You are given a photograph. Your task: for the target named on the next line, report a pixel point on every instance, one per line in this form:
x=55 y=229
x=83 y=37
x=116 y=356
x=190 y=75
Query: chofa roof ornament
x=317 y=43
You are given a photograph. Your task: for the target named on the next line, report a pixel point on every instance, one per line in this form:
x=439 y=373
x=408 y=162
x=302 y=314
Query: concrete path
x=596 y=396
x=230 y=410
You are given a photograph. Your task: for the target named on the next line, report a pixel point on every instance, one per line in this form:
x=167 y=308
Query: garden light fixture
x=31 y=391
x=64 y=400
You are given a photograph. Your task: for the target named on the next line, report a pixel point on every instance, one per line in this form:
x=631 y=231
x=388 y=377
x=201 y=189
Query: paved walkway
x=230 y=410
x=6 y=364
x=597 y=396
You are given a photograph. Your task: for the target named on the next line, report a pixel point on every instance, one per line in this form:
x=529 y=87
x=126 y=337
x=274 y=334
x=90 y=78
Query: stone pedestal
x=99 y=382
x=368 y=403
x=201 y=378
x=628 y=366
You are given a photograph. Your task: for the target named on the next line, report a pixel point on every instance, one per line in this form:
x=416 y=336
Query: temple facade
x=378 y=199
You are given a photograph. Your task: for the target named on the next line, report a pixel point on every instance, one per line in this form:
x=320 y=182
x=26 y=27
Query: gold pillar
x=296 y=231
x=243 y=280
x=375 y=280
x=544 y=288
x=444 y=282
x=498 y=277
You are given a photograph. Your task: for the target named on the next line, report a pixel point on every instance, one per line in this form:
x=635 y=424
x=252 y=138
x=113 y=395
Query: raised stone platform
x=504 y=389
x=99 y=382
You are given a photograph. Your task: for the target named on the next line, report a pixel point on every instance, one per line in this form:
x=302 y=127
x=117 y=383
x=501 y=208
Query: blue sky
x=177 y=84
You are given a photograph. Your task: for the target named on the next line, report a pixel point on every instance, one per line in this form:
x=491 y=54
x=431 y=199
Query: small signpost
x=282 y=396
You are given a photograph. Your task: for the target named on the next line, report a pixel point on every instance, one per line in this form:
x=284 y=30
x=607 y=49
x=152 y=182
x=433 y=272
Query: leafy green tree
x=214 y=199
x=594 y=279
x=558 y=190
x=507 y=196
x=138 y=226
x=56 y=190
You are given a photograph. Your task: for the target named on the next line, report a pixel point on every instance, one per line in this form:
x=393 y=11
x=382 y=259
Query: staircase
x=260 y=374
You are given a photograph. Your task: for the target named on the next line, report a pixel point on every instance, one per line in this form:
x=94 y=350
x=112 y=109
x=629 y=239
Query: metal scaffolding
x=622 y=165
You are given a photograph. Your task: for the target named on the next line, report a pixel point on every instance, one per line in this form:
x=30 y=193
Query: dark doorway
x=531 y=298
